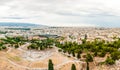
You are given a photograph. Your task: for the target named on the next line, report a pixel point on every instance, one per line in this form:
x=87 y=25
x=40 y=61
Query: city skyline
x=62 y=12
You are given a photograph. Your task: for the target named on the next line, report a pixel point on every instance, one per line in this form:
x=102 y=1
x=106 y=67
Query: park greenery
x=41 y=44
x=96 y=48
x=11 y=42
x=17 y=41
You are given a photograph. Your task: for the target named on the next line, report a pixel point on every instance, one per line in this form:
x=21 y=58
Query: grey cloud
x=2 y=2
x=68 y=11
x=13 y=18
x=88 y=13
x=59 y=7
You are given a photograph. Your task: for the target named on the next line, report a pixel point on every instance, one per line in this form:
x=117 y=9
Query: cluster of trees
x=41 y=44
x=18 y=41
x=70 y=48
x=96 y=48
x=11 y=41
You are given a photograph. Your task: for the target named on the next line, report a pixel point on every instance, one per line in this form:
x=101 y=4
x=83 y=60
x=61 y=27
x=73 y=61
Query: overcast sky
x=62 y=12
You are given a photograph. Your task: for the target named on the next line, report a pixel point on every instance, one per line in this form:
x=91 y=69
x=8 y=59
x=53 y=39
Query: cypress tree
x=73 y=54
x=87 y=65
x=78 y=55
x=73 y=67
x=50 y=65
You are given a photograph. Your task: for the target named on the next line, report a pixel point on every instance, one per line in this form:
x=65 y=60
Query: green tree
x=115 y=55
x=102 y=54
x=78 y=55
x=109 y=61
x=0 y=48
x=73 y=67
x=85 y=37
x=50 y=65
x=89 y=58
x=16 y=46
x=83 y=41
x=87 y=68
x=73 y=54
x=95 y=53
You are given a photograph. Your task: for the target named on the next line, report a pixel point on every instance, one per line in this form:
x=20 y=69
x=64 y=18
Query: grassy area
x=15 y=58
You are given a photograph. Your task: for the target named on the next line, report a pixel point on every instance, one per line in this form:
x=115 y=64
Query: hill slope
x=18 y=24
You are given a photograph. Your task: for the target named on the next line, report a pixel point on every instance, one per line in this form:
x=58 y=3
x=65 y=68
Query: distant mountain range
x=12 y=24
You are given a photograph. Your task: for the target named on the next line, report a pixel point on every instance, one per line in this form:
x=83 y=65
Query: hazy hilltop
x=12 y=24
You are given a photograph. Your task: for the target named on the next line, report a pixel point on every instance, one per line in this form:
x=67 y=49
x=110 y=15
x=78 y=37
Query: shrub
x=109 y=61
x=89 y=58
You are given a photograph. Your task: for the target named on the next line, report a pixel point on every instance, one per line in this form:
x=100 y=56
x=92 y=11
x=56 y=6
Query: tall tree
x=73 y=54
x=73 y=67
x=50 y=65
x=85 y=36
x=87 y=68
x=78 y=55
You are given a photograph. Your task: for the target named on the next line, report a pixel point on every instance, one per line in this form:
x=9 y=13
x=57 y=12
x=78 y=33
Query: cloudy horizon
x=103 y=13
